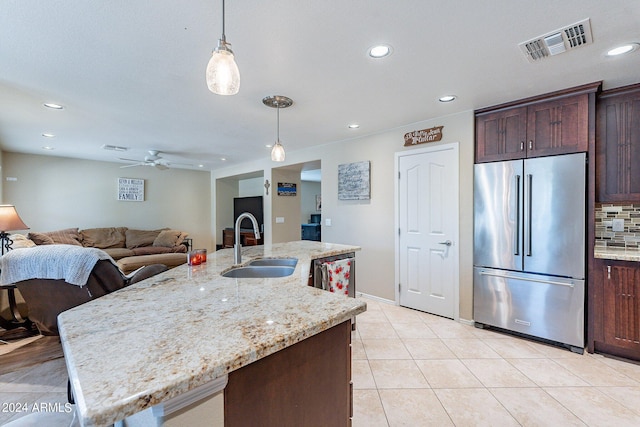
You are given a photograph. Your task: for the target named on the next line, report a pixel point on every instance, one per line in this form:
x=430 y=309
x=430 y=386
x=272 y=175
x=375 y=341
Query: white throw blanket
x=69 y=262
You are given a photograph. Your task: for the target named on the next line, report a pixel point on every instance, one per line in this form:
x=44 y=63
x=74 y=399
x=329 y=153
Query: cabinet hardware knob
x=530 y=145
x=608 y=272
x=521 y=145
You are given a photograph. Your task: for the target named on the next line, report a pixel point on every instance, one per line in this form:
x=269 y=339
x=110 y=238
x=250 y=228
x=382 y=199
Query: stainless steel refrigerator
x=529 y=247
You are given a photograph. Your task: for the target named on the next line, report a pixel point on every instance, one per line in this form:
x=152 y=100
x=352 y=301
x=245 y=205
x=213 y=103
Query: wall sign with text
x=422 y=136
x=131 y=189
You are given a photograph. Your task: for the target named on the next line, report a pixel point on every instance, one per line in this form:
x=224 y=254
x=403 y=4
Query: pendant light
x=223 y=76
x=277 y=102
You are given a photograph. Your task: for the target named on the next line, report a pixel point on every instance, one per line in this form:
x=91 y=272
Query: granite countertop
x=620 y=254
x=157 y=339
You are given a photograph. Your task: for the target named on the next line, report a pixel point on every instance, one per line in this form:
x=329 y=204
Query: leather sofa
x=130 y=248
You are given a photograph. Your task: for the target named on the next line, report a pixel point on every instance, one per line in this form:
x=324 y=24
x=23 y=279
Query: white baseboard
x=373 y=297
x=392 y=302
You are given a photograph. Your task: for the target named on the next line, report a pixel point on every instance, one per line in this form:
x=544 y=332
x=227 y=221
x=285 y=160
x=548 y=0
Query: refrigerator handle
x=517 y=228
x=530 y=210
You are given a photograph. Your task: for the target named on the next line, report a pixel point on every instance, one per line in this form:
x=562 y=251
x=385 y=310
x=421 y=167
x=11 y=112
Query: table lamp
x=9 y=220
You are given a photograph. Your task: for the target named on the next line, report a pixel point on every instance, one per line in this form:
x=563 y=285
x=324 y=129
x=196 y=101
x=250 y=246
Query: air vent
x=558 y=41
x=114 y=147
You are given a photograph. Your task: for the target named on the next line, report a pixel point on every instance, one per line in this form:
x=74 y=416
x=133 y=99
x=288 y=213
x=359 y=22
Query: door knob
x=446 y=243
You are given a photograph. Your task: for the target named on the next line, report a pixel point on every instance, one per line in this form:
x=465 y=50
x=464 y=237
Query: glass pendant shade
x=277 y=152
x=223 y=76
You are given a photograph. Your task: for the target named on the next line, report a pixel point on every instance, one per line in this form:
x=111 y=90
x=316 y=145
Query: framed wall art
x=354 y=181
x=131 y=189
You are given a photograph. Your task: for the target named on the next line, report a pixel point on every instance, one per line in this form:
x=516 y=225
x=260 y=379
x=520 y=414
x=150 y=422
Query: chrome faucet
x=237 y=247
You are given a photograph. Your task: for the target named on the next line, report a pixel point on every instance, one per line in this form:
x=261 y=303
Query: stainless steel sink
x=289 y=262
x=259 y=271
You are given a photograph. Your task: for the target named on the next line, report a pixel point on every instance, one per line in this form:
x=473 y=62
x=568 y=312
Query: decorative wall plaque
x=354 y=181
x=421 y=136
x=131 y=189
x=287 y=189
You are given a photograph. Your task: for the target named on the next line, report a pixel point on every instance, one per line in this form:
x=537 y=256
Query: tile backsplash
x=605 y=214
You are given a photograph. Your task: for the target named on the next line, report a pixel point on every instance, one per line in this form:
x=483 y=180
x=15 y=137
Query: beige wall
x=226 y=189
x=287 y=207
x=1 y=181
x=55 y=192
x=370 y=223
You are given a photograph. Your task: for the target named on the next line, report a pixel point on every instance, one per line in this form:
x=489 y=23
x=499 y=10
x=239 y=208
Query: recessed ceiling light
x=380 y=51
x=53 y=106
x=621 y=50
x=268 y=145
x=48 y=135
x=224 y=159
x=354 y=126
x=48 y=148
x=447 y=98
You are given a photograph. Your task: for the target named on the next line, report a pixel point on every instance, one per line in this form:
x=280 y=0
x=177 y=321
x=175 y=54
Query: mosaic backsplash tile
x=629 y=237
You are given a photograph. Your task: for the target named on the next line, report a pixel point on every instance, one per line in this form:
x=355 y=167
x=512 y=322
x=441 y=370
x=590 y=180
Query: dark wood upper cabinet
x=555 y=123
x=500 y=135
x=618 y=145
x=558 y=127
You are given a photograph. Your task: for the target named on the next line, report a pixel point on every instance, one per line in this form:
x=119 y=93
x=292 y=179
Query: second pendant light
x=277 y=102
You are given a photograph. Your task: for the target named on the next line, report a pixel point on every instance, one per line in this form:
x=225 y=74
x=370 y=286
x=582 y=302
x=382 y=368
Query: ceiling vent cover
x=558 y=41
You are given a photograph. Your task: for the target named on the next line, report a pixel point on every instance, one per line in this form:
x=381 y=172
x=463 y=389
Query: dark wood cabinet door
x=621 y=311
x=501 y=135
x=306 y=384
x=618 y=145
x=558 y=126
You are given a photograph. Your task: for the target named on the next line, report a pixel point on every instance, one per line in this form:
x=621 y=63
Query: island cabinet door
x=307 y=384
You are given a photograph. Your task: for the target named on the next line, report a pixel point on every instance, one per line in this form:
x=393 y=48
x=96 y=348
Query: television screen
x=253 y=205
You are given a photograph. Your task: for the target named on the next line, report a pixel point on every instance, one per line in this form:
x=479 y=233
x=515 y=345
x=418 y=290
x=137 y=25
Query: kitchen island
x=188 y=331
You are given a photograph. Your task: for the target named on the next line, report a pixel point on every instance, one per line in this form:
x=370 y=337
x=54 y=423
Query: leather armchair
x=46 y=298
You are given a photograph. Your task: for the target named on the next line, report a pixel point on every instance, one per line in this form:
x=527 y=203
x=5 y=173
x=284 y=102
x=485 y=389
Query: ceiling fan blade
x=131 y=166
x=179 y=164
x=130 y=160
x=161 y=166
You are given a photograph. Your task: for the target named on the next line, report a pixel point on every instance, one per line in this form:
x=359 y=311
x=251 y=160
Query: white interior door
x=427 y=217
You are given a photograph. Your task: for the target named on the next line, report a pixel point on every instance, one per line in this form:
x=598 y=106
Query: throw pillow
x=104 y=238
x=40 y=238
x=168 y=238
x=68 y=236
x=138 y=238
x=20 y=241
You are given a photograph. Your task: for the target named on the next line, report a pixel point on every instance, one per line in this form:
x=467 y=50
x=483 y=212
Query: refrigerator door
x=539 y=305
x=554 y=215
x=497 y=198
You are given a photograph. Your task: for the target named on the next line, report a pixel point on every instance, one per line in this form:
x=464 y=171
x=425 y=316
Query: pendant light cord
x=223 y=36
x=278 y=121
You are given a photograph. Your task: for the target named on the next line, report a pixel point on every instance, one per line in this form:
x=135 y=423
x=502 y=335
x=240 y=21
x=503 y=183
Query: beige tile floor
x=415 y=369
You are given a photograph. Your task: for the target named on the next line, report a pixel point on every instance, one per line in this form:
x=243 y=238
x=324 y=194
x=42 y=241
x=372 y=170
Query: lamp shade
x=10 y=220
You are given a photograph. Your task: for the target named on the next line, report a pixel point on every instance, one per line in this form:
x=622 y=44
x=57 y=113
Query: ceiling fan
x=152 y=159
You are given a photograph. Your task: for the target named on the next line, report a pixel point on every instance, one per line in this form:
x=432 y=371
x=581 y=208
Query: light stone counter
x=157 y=339
x=620 y=254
